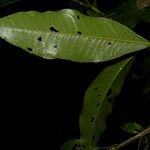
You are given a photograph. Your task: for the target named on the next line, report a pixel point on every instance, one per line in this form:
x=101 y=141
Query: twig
x=89 y=6
x=139 y=143
x=134 y=138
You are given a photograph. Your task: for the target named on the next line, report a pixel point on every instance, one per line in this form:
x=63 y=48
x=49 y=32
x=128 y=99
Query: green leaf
x=98 y=100
x=67 y=34
x=132 y=127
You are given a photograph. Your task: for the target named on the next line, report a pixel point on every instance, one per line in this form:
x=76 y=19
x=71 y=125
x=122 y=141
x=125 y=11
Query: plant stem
x=134 y=138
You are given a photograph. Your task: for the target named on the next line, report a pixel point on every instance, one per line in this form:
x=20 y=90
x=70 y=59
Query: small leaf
x=70 y=35
x=98 y=100
x=132 y=127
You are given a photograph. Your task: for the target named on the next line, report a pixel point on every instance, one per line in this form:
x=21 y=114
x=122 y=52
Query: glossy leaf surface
x=98 y=100
x=67 y=34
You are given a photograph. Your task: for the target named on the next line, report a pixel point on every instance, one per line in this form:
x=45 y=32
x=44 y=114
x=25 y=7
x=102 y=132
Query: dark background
x=40 y=100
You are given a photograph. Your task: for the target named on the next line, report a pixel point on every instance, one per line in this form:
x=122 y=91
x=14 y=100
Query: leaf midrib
x=103 y=98
x=90 y=36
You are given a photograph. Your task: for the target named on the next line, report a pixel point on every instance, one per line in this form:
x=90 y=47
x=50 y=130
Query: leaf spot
x=55 y=46
x=39 y=38
x=98 y=95
x=29 y=49
x=79 y=32
x=78 y=17
x=109 y=43
x=96 y=88
x=109 y=92
x=53 y=29
x=92 y=119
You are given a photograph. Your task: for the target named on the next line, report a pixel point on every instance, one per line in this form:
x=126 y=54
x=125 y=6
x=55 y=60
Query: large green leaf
x=67 y=34
x=98 y=100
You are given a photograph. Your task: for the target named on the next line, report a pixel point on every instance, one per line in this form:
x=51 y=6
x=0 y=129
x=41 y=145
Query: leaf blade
x=132 y=127
x=74 y=36
x=99 y=98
